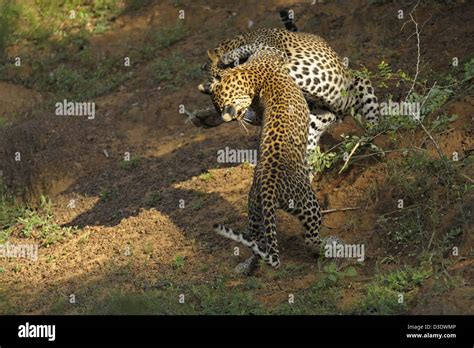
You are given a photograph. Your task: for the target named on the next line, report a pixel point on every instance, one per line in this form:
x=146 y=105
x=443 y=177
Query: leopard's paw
x=331 y=240
x=247 y=267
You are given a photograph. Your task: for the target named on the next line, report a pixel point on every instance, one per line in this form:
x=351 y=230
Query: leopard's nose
x=205 y=88
x=228 y=113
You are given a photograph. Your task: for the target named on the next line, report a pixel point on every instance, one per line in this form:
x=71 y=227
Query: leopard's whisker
x=242 y=123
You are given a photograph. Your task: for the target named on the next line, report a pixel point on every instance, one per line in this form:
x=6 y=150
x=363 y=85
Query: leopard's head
x=230 y=91
x=213 y=66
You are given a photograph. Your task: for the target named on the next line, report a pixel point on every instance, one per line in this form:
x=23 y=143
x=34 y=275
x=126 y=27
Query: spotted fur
x=282 y=175
x=315 y=67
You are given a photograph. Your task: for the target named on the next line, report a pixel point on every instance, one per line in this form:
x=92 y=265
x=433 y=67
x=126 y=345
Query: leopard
x=331 y=89
x=282 y=175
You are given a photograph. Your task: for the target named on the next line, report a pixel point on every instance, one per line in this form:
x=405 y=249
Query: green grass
x=57 y=47
x=43 y=23
x=218 y=298
x=10 y=211
x=429 y=188
x=84 y=82
x=9 y=14
x=81 y=80
x=322 y=297
x=320 y=161
x=152 y=199
x=168 y=36
x=133 y=163
x=358 y=146
x=206 y=177
x=174 y=70
x=391 y=293
x=107 y=194
x=178 y=262
x=442 y=122
x=37 y=224
x=203 y=299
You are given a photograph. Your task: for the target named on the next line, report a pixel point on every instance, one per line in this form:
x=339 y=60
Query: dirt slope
x=131 y=226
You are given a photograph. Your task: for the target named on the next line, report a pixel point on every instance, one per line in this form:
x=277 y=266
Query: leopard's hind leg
x=320 y=121
x=262 y=244
x=301 y=201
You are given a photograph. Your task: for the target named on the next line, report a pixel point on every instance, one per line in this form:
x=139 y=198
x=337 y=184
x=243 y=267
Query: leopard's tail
x=241 y=238
x=287 y=20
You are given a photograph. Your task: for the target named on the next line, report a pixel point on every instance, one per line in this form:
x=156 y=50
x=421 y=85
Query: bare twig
x=349 y=157
x=417 y=33
x=431 y=239
x=438 y=149
x=466 y=177
x=338 y=209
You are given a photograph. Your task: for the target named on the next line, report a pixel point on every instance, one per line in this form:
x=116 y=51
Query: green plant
x=174 y=69
x=133 y=163
x=152 y=199
x=167 y=37
x=450 y=237
x=468 y=70
x=334 y=275
x=352 y=145
x=178 y=262
x=10 y=211
x=198 y=203
x=427 y=189
x=321 y=161
x=148 y=248
x=9 y=14
x=206 y=176
x=442 y=122
x=384 y=73
x=107 y=194
x=38 y=223
x=246 y=165
x=321 y=297
x=390 y=293
x=434 y=99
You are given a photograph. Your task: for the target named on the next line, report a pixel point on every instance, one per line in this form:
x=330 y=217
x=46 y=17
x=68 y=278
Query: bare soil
x=130 y=226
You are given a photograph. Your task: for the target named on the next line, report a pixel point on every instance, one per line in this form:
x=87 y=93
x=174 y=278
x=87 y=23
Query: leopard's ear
x=212 y=56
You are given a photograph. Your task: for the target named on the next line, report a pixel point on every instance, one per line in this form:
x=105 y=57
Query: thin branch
x=438 y=149
x=468 y=178
x=417 y=33
x=349 y=157
x=338 y=209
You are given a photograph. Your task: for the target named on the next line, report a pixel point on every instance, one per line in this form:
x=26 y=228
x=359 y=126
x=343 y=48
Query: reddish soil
x=63 y=158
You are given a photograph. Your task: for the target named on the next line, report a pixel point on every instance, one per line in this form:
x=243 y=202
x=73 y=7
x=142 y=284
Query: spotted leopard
x=282 y=175
x=329 y=87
